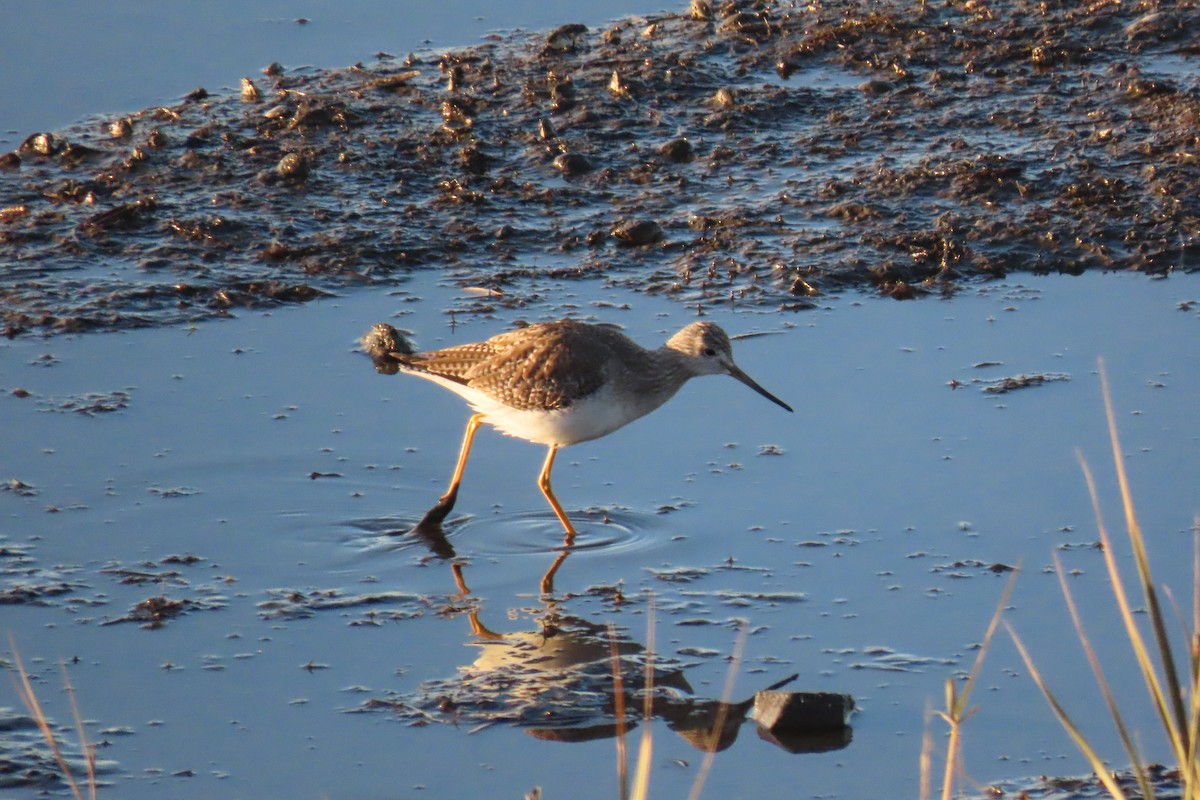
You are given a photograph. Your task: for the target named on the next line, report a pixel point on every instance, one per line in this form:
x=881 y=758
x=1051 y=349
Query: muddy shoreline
x=762 y=153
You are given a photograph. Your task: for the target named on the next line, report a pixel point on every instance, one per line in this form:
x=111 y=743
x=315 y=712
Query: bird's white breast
x=594 y=416
x=597 y=415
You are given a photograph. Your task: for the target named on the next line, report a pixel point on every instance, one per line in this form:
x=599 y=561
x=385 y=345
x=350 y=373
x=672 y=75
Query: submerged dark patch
x=761 y=152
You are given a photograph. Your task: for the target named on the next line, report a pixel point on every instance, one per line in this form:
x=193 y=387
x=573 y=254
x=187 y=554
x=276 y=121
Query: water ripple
x=530 y=532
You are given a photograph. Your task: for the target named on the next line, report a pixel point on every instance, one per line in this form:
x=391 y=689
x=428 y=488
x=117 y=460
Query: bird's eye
x=710 y=352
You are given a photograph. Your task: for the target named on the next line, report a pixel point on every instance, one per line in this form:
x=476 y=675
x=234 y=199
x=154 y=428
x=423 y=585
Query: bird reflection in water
x=556 y=681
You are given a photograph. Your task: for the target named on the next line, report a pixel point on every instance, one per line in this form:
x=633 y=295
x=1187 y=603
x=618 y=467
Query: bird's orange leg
x=544 y=485
x=445 y=504
x=472 y=426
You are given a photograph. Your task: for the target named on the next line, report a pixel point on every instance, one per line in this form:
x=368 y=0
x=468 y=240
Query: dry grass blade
x=619 y=711
x=926 y=759
x=30 y=701
x=1098 y=765
x=987 y=637
x=1196 y=594
x=1105 y=689
x=1136 y=643
x=1177 y=705
x=1157 y=621
x=710 y=752
x=89 y=750
x=641 y=778
x=1194 y=659
x=957 y=703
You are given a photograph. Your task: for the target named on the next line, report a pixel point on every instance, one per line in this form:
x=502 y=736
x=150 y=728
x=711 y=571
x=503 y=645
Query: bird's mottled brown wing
x=454 y=363
x=540 y=367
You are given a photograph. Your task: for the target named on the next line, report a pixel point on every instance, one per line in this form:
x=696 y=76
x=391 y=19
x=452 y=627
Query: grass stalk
x=1093 y=758
x=1179 y=735
x=640 y=790
x=641 y=778
x=619 y=712
x=1105 y=688
x=926 y=760
x=89 y=750
x=1136 y=642
x=1176 y=701
x=710 y=752
x=958 y=708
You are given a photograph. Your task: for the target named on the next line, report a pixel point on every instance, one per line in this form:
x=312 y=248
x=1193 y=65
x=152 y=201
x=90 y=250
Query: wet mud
x=757 y=152
x=1165 y=781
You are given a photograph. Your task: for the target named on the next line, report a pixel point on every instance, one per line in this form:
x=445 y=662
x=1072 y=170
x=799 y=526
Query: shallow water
x=858 y=556
x=61 y=62
x=259 y=471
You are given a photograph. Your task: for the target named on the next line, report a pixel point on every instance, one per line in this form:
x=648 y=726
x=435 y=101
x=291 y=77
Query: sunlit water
x=64 y=61
x=853 y=538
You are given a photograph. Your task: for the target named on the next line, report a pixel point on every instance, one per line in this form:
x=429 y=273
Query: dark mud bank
x=759 y=152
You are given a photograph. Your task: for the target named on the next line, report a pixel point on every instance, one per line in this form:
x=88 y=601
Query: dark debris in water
x=156 y=611
x=19 y=487
x=27 y=763
x=23 y=582
x=678 y=574
x=1166 y=782
x=760 y=152
x=303 y=603
x=969 y=568
x=171 y=492
x=34 y=590
x=1024 y=381
x=744 y=599
x=88 y=404
x=164 y=574
x=887 y=660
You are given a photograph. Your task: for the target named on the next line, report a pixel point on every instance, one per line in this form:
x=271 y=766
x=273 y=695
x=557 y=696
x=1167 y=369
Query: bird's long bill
x=746 y=379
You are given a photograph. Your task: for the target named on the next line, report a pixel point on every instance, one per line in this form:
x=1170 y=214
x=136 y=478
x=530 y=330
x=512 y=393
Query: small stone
x=43 y=144
x=565 y=38
x=677 y=150
x=572 y=164
x=293 y=168
x=636 y=234
x=120 y=128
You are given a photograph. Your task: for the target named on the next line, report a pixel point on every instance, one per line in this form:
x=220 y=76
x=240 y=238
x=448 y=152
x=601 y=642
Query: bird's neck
x=658 y=379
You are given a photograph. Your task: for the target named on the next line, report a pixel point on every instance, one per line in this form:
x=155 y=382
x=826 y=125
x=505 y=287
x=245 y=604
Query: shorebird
x=559 y=384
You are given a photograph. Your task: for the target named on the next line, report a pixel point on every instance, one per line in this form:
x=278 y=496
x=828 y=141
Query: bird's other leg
x=445 y=504
x=544 y=485
x=547 y=584
x=457 y=570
